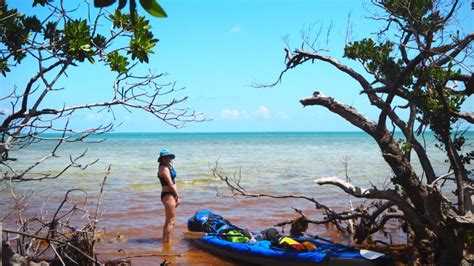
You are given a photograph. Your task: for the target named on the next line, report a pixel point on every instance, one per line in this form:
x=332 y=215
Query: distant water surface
x=276 y=163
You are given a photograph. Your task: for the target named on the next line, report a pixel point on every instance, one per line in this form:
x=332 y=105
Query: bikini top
x=173 y=177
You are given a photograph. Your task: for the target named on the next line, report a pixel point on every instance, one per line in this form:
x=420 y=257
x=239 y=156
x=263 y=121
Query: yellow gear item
x=308 y=245
x=287 y=240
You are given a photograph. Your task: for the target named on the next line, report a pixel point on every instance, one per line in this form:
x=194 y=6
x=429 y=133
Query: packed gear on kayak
x=207 y=221
x=286 y=242
x=262 y=251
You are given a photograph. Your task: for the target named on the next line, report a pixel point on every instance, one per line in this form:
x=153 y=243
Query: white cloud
x=235 y=29
x=230 y=114
x=262 y=111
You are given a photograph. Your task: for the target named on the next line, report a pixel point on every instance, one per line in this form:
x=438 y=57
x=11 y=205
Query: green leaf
x=153 y=8
x=91 y=59
x=50 y=31
x=40 y=2
x=99 y=41
x=86 y=47
x=117 y=62
x=103 y=3
x=32 y=23
x=120 y=20
x=122 y=4
x=4 y=67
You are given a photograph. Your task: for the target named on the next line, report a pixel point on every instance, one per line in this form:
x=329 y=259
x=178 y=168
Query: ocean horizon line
x=276 y=131
x=118 y=133
x=397 y=132
x=231 y=132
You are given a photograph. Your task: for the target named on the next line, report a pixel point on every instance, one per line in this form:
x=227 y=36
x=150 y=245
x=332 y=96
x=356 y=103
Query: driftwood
x=57 y=235
x=358 y=223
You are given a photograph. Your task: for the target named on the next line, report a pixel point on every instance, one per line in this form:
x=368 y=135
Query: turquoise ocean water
x=273 y=159
x=278 y=163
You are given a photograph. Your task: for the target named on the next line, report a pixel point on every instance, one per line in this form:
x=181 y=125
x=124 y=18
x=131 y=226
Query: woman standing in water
x=169 y=194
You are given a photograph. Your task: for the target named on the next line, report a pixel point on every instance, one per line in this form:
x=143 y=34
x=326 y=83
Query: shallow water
x=274 y=163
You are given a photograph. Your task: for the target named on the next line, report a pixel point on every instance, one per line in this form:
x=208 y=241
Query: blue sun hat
x=165 y=152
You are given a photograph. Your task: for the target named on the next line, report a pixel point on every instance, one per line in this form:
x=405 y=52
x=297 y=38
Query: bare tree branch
x=345 y=111
x=358 y=192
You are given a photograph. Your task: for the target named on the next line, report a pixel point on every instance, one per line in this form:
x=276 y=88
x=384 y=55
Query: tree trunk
x=451 y=250
x=435 y=239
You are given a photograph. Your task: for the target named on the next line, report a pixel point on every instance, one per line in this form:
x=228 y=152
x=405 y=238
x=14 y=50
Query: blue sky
x=217 y=49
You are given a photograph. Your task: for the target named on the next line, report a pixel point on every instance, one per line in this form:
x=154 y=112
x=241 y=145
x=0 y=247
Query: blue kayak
x=265 y=252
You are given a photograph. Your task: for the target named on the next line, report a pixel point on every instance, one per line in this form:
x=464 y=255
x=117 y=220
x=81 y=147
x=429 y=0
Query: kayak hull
x=249 y=258
x=215 y=240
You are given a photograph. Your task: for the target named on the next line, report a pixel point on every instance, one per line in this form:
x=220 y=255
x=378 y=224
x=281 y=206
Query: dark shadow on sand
x=146 y=240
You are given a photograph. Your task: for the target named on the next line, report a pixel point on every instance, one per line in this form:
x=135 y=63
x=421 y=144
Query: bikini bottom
x=164 y=194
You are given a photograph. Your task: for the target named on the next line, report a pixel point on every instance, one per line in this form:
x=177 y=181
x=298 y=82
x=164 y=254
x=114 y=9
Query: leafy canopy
x=416 y=68
x=74 y=40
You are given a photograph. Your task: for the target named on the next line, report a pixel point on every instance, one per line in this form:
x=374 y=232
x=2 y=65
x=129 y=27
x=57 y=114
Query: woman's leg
x=170 y=213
